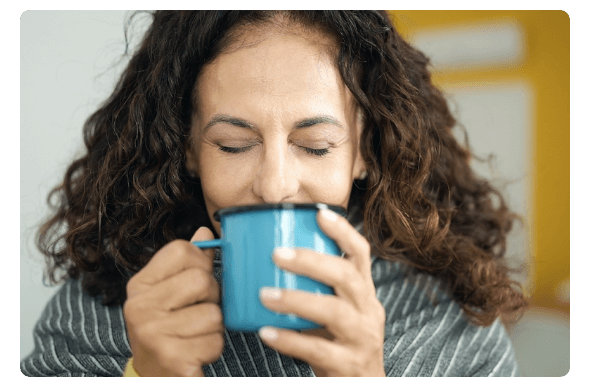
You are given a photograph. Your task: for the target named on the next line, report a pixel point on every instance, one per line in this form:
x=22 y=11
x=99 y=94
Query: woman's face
x=275 y=123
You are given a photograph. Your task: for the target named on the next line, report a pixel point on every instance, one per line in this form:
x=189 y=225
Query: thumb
x=202 y=234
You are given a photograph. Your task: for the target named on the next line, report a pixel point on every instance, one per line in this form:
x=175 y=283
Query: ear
x=359 y=166
x=359 y=169
x=191 y=158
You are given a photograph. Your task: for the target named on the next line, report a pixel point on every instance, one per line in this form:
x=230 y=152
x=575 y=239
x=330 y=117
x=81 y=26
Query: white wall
x=68 y=66
x=497 y=115
x=498 y=119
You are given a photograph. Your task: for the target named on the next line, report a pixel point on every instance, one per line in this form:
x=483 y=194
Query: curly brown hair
x=421 y=203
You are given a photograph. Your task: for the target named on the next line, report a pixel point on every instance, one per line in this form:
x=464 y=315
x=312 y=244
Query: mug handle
x=216 y=243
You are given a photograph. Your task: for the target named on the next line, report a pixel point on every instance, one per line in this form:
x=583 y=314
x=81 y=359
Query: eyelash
x=236 y=150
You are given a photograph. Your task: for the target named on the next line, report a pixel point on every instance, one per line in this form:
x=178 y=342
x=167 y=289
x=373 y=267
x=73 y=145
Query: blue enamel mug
x=249 y=235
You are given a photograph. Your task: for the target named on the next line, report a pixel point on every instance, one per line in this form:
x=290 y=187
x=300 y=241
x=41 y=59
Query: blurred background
x=505 y=73
x=507 y=76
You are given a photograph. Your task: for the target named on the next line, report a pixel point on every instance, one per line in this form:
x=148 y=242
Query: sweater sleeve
x=77 y=336
x=442 y=343
x=427 y=333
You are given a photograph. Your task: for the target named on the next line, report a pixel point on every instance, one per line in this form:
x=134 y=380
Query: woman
x=218 y=109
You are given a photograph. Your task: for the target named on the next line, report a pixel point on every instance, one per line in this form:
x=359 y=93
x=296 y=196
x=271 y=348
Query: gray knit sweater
x=427 y=334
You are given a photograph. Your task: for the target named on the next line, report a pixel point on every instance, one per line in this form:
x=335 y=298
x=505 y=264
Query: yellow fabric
x=130 y=370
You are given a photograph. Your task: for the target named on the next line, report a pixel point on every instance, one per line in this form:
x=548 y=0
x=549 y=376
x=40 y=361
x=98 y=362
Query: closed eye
x=309 y=150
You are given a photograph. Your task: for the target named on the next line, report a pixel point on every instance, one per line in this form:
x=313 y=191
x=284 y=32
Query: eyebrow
x=307 y=122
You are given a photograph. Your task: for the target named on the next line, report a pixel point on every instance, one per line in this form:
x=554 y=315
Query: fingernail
x=285 y=253
x=328 y=214
x=268 y=333
x=270 y=293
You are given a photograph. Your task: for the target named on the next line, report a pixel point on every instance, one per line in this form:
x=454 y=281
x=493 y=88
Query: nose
x=276 y=179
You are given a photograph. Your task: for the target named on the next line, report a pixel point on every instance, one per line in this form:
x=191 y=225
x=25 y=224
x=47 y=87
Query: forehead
x=262 y=65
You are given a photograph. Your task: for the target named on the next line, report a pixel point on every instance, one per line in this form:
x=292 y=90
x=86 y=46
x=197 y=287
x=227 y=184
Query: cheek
x=330 y=183
x=222 y=181
x=215 y=187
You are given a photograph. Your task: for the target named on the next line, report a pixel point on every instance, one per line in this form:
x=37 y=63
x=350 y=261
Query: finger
x=311 y=349
x=171 y=259
x=341 y=274
x=202 y=234
x=183 y=357
x=198 y=319
x=352 y=243
x=190 y=286
x=329 y=311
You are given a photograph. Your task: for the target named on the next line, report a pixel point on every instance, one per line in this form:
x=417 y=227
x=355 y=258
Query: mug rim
x=284 y=205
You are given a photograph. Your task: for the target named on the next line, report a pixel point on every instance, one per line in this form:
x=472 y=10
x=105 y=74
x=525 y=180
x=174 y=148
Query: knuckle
x=200 y=280
x=204 y=283
x=217 y=343
x=179 y=247
x=348 y=273
x=317 y=350
x=213 y=344
x=128 y=308
x=145 y=332
x=131 y=308
x=215 y=315
x=341 y=312
x=364 y=246
x=133 y=285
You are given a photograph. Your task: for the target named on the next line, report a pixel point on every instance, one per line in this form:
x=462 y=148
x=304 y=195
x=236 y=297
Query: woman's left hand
x=353 y=318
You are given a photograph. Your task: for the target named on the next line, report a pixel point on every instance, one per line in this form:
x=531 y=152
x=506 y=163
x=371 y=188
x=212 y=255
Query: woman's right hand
x=172 y=312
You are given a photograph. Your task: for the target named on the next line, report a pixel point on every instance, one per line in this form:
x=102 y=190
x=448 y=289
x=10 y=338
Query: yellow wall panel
x=546 y=67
